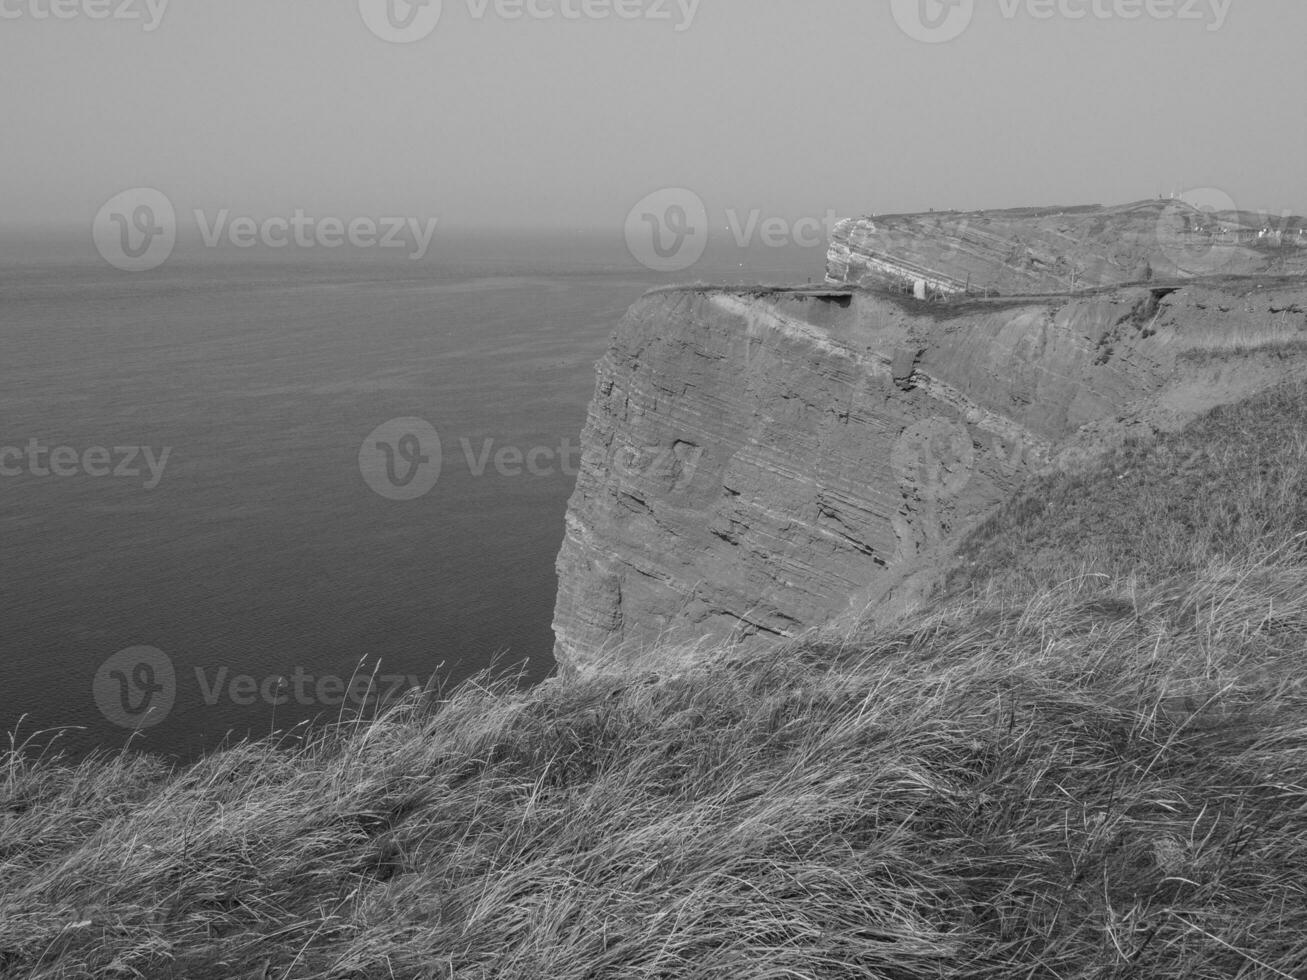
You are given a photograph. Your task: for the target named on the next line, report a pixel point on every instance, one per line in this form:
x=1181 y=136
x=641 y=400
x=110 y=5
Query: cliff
x=1053 y=250
x=757 y=462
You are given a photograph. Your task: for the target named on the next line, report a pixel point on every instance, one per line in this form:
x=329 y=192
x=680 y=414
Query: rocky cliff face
x=1054 y=250
x=760 y=462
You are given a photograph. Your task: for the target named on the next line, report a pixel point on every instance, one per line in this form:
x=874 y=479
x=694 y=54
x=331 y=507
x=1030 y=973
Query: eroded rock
x=759 y=462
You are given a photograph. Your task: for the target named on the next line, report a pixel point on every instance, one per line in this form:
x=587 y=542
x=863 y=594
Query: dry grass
x=1231 y=486
x=1234 y=337
x=1102 y=777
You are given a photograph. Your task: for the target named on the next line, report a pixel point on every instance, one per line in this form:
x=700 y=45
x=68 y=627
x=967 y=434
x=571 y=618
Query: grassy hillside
x=1231 y=487
x=1089 y=761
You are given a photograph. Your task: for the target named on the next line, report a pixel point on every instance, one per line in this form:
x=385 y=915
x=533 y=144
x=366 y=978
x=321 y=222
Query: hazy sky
x=791 y=107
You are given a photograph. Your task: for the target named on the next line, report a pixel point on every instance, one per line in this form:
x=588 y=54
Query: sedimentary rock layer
x=1055 y=250
x=760 y=462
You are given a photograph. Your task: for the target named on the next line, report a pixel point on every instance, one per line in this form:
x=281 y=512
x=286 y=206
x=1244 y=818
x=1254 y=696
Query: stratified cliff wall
x=760 y=462
x=1055 y=250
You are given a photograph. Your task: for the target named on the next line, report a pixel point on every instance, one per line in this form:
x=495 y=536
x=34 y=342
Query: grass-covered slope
x=1230 y=487
x=1090 y=761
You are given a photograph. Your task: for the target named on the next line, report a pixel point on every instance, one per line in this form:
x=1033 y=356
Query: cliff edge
x=760 y=462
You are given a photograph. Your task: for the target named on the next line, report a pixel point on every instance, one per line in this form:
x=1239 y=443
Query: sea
x=251 y=493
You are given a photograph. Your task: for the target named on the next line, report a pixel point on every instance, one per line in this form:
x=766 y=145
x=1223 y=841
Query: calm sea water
x=255 y=554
